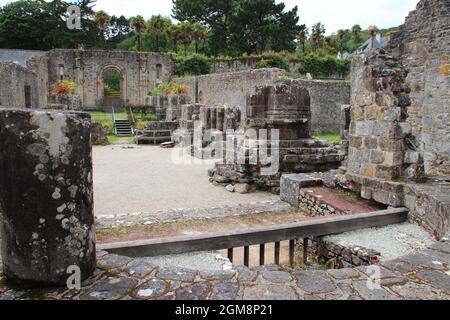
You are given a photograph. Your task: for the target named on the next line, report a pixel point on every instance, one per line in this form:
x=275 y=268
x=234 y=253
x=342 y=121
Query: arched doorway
x=112 y=88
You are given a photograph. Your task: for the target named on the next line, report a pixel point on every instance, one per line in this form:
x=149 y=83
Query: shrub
x=273 y=62
x=166 y=88
x=195 y=64
x=64 y=87
x=327 y=66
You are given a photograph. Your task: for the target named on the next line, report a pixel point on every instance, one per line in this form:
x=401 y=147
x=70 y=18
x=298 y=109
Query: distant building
x=373 y=43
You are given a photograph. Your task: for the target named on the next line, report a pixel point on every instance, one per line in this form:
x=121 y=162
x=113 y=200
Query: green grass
x=331 y=137
x=120 y=140
x=98 y=116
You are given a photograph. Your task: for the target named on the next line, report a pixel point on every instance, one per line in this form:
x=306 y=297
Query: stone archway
x=111 y=89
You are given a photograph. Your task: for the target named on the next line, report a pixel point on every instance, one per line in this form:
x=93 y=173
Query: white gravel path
x=145 y=179
x=392 y=242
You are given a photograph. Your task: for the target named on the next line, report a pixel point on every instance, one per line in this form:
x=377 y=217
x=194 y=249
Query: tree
x=318 y=31
x=356 y=32
x=215 y=15
x=199 y=35
x=373 y=31
x=173 y=32
x=41 y=25
x=260 y=25
x=186 y=35
x=102 y=19
x=303 y=36
x=119 y=29
x=139 y=25
x=157 y=26
x=342 y=37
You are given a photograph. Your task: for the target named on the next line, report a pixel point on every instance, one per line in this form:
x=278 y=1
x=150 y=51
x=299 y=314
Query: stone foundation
x=335 y=256
x=156 y=132
x=276 y=126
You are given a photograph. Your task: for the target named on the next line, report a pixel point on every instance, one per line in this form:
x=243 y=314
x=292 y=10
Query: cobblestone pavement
x=172 y=215
x=424 y=275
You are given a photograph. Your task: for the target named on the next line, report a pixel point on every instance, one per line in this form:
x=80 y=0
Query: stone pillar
x=46 y=196
x=220 y=119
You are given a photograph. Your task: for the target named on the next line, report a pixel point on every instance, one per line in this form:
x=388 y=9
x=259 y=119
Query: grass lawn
x=331 y=137
x=120 y=140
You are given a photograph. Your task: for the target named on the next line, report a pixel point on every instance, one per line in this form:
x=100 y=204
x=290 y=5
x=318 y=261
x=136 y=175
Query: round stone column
x=46 y=196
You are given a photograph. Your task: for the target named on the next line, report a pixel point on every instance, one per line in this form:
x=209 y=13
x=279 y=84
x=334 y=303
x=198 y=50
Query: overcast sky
x=336 y=14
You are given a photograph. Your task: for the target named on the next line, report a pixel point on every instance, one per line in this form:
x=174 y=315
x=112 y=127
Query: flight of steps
x=123 y=128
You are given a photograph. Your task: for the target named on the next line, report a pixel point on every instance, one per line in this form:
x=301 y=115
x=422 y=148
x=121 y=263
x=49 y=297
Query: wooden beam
x=255 y=236
x=247 y=256
x=291 y=252
x=277 y=253
x=262 y=254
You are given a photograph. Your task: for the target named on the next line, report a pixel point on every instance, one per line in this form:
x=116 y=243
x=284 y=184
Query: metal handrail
x=114 y=120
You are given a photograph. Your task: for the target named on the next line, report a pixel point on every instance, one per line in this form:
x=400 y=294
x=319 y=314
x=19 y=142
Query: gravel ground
x=145 y=179
x=392 y=241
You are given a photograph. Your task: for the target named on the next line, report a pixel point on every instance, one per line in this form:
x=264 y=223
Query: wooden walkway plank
x=257 y=236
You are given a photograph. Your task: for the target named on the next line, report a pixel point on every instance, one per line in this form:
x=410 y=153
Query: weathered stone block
x=46 y=195
x=291 y=185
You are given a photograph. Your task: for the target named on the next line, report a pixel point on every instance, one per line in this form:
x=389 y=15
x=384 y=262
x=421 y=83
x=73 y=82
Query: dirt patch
x=341 y=201
x=192 y=227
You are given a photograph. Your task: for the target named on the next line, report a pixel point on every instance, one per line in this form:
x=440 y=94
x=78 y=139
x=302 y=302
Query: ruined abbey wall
x=229 y=89
x=139 y=72
x=400 y=121
x=18 y=86
x=423 y=47
x=232 y=89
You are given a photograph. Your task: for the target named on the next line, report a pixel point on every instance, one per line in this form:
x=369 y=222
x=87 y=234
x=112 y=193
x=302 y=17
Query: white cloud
x=334 y=14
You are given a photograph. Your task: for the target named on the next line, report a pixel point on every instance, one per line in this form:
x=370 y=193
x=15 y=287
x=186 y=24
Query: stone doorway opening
x=28 y=97
x=112 y=88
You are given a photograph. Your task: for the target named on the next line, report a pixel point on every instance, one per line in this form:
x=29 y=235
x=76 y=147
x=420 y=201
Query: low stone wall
x=156 y=132
x=65 y=101
x=336 y=256
x=243 y=64
x=99 y=135
x=315 y=206
x=429 y=202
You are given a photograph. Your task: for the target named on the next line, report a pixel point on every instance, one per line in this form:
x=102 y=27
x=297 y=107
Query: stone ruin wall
x=229 y=89
x=85 y=68
x=423 y=47
x=13 y=80
x=327 y=97
x=243 y=64
x=232 y=89
x=400 y=126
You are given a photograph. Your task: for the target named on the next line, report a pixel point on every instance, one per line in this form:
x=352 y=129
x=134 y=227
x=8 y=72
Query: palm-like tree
x=302 y=36
x=199 y=35
x=341 y=38
x=139 y=25
x=373 y=31
x=318 y=31
x=173 y=32
x=356 y=31
x=186 y=32
x=158 y=24
x=102 y=20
